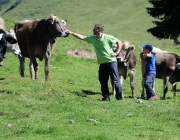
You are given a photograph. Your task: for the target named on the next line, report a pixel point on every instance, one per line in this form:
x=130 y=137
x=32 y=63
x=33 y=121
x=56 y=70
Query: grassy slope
x=4 y=7
x=68 y=106
x=126 y=20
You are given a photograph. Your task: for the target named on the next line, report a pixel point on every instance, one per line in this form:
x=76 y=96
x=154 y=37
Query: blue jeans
x=148 y=84
x=106 y=70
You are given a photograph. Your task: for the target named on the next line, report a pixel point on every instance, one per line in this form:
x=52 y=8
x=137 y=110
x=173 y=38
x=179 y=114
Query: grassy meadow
x=69 y=106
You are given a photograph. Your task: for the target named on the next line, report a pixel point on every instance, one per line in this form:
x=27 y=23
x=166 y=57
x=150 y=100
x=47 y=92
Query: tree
x=168 y=14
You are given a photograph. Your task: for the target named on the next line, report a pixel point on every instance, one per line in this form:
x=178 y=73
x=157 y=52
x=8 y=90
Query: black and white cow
x=6 y=42
x=5 y=39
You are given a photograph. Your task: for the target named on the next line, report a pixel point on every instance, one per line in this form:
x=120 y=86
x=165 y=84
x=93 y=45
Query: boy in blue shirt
x=150 y=71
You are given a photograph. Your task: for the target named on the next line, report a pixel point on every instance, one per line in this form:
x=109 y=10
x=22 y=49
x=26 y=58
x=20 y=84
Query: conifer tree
x=167 y=13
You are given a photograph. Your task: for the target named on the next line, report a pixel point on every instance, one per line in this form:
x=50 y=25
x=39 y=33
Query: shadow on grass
x=5 y=92
x=84 y=93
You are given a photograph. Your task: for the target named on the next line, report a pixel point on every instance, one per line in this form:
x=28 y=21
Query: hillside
x=126 y=20
x=5 y=4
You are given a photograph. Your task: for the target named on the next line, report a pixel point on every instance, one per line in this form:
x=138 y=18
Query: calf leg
x=132 y=79
x=165 y=83
x=21 y=66
x=174 y=89
x=121 y=80
x=142 y=85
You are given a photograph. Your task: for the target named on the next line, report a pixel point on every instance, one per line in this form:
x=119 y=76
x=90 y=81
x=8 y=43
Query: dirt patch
x=82 y=52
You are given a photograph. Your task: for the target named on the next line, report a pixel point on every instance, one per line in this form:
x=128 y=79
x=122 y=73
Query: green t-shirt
x=103 y=47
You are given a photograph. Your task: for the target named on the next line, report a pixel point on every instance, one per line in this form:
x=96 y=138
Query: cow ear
x=10 y=39
x=131 y=47
x=52 y=18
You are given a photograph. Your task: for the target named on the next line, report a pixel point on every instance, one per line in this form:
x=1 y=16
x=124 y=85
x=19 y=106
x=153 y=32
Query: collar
x=100 y=37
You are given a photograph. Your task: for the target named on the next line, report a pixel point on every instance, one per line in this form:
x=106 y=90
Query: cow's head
x=56 y=27
x=13 y=47
x=53 y=40
x=125 y=52
x=5 y=38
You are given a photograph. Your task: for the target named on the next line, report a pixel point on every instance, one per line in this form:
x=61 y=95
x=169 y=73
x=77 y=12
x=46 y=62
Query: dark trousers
x=148 y=84
x=106 y=70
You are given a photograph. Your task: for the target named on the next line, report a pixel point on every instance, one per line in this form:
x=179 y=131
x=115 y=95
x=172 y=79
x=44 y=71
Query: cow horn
x=52 y=19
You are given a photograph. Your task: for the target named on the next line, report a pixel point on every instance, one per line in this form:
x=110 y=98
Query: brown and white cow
x=34 y=41
x=6 y=42
x=126 y=64
x=167 y=68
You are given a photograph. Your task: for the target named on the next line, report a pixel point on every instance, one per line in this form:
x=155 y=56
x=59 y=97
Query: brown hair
x=99 y=27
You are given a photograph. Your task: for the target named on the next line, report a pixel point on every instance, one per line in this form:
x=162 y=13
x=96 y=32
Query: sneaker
x=120 y=99
x=105 y=99
x=148 y=96
x=153 y=97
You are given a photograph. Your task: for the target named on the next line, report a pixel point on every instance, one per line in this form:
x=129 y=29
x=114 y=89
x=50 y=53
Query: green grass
x=68 y=106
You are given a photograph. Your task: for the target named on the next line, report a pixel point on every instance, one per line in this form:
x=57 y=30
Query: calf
x=167 y=68
x=126 y=60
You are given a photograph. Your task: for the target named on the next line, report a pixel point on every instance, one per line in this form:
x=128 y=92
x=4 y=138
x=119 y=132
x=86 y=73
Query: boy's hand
x=113 y=54
x=146 y=55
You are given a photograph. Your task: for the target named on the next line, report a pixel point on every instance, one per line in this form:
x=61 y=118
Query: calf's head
x=125 y=51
